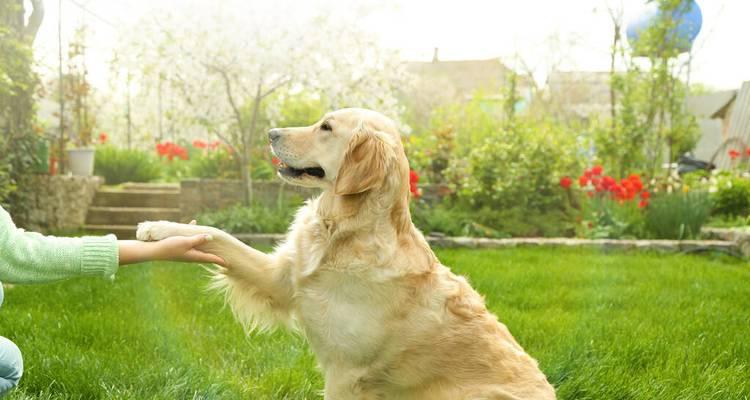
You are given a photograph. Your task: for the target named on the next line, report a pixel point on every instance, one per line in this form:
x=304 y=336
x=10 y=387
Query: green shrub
x=728 y=222
x=518 y=167
x=122 y=165
x=441 y=218
x=677 y=215
x=732 y=197
x=606 y=218
x=257 y=218
x=217 y=164
x=452 y=218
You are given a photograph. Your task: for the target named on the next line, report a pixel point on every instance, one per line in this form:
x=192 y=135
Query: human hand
x=175 y=248
x=184 y=248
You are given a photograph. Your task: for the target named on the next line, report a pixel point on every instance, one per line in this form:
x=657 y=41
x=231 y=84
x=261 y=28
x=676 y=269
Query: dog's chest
x=344 y=317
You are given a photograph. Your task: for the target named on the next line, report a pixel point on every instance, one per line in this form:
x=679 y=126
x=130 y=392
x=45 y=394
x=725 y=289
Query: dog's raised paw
x=148 y=231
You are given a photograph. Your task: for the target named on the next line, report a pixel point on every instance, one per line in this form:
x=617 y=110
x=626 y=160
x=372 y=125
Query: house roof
x=711 y=105
x=465 y=76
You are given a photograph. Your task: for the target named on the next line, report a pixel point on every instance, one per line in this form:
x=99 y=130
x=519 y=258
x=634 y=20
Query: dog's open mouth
x=315 y=172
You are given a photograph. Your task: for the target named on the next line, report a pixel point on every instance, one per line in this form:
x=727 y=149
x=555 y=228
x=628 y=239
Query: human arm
x=176 y=248
x=29 y=257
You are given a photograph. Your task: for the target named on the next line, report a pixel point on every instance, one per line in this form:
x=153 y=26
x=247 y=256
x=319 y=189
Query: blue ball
x=689 y=21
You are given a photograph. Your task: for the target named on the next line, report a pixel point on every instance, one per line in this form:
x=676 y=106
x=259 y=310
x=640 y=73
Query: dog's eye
x=325 y=126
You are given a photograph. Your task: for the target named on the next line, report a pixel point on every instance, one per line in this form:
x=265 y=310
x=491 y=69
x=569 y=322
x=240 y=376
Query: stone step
x=136 y=198
x=121 y=231
x=167 y=187
x=129 y=215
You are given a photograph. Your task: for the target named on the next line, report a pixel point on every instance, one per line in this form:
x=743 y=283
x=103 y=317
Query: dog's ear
x=364 y=165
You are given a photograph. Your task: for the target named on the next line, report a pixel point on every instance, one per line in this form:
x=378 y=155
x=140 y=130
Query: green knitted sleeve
x=27 y=257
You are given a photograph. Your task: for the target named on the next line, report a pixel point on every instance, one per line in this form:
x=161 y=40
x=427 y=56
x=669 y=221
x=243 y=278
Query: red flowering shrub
x=103 y=138
x=610 y=208
x=626 y=189
x=171 y=151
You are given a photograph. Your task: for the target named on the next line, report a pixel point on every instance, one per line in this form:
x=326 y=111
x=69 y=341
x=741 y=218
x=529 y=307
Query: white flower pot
x=81 y=161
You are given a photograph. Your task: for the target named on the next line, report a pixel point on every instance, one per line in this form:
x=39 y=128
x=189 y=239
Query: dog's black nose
x=274 y=135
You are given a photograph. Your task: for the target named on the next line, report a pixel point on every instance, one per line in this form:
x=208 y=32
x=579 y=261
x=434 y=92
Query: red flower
x=645 y=195
x=275 y=161
x=636 y=182
x=103 y=138
x=733 y=154
x=413 y=180
x=199 y=144
x=162 y=148
x=565 y=182
x=747 y=151
x=214 y=145
x=171 y=150
x=583 y=180
x=643 y=204
x=608 y=182
x=619 y=192
x=597 y=170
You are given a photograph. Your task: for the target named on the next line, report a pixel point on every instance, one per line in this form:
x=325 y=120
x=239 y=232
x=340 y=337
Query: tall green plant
x=650 y=122
x=678 y=215
x=122 y=165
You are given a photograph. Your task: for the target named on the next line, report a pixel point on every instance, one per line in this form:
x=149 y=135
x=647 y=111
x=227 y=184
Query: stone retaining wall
x=740 y=236
x=198 y=195
x=669 y=246
x=55 y=203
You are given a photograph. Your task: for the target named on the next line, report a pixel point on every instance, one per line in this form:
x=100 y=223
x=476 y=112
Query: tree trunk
x=247 y=180
x=612 y=58
x=247 y=142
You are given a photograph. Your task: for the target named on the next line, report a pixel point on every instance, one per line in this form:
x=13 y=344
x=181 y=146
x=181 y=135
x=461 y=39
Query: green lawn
x=603 y=326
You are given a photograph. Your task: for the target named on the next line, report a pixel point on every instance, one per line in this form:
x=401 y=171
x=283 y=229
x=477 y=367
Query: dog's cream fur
x=384 y=317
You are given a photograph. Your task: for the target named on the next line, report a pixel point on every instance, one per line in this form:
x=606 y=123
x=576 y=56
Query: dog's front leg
x=257 y=285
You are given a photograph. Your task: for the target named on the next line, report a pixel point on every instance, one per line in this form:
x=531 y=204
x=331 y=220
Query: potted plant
x=81 y=157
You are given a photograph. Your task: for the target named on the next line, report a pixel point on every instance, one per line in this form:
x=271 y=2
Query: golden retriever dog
x=385 y=319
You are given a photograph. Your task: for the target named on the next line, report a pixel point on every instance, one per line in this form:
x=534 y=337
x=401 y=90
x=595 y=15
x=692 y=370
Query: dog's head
x=350 y=151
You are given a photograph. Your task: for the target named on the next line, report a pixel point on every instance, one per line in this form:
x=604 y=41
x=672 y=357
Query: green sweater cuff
x=100 y=256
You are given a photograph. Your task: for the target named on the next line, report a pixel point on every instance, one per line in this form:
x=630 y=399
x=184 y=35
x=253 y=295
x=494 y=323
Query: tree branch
x=275 y=87
x=230 y=95
x=35 y=20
